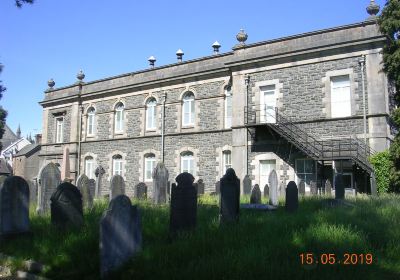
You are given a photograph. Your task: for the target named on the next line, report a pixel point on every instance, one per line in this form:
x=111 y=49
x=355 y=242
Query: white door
x=268 y=104
x=266 y=166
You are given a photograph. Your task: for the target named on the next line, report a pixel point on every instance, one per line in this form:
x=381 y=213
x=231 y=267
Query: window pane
x=192 y=111
x=340 y=96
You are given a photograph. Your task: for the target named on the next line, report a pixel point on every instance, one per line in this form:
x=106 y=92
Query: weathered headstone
x=313 y=188
x=65 y=166
x=328 y=187
x=372 y=179
x=14 y=206
x=33 y=187
x=141 y=191
x=230 y=197
x=200 y=187
x=302 y=188
x=246 y=185
x=282 y=190
x=273 y=188
x=218 y=187
x=49 y=179
x=183 y=214
x=266 y=190
x=82 y=183
x=66 y=206
x=92 y=187
x=339 y=186
x=160 y=181
x=117 y=186
x=255 y=197
x=99 y=172
x=292 y=197
x=2 y=179
x=120 y=234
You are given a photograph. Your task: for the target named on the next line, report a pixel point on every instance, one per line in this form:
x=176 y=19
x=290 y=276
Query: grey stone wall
x=51 y=121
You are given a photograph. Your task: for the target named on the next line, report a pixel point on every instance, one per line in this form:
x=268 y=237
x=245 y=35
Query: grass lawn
x=263 y=245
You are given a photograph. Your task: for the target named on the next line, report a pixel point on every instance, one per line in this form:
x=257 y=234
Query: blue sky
x=55 y=39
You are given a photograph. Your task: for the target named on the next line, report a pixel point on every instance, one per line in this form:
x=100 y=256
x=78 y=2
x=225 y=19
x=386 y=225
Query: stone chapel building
x=309 y=106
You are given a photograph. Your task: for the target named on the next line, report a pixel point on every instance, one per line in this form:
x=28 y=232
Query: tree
x=389 y=24
x=19 y=3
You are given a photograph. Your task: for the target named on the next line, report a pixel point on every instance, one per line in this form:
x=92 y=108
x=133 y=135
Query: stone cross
x=141 y=191
x=49 y=179
x=302 y=188
x=255 y=197
x=82 y=183
x=66 y=206
x=273 y=188
x=120 y=234
x=328 y=187
x=183 y=213
x=339 y=186
x=246 y=185
x=292 y=197
x=266 y=190
x=200 y=187
x=313 y=188
x=14 y=210
x=99 y=172
x=230 y=197
x=117 y=186
x=160 y=181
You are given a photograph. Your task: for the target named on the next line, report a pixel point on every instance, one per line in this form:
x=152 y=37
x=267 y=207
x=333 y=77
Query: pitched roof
x=8 y=137
x=28 y=150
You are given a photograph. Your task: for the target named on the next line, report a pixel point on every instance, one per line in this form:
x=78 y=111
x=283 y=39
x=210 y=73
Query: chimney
x=38 y=138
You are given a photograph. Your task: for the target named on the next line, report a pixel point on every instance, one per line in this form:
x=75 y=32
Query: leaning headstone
x=183 y=214
x=66 y=206
x=328 y=187
x=313 y=188
x=302 y=188
x=266 y=190
x=282 y=190
x=339 y=186
x=273 y=188
x=120 y=234
x=200 y=187
x=49 y=179
x=218 y=187
x=14 y=210
x=255 y=197
x=99 y=172
x=117 y=186
x=246 y=185
x=230 y=197
x=141 y=191
x=160 y=181
x=292 y=197
x=82 y=183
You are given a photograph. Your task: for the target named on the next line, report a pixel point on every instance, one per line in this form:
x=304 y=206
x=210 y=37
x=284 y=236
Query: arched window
x=187 y=163
x=149 y=164
x=119 y=118
x=89 y=167
x=226 y=160
x=91 y=121
x=188 y=109
x=228 y=107
x=117 y=165
x=151 y=114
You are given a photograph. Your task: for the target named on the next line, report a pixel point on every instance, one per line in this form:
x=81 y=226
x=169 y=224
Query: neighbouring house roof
x=5 y=168
x=15 y=144
x=8 y=138
x=28 y=150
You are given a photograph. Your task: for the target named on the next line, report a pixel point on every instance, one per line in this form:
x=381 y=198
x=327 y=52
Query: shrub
x=382 y=168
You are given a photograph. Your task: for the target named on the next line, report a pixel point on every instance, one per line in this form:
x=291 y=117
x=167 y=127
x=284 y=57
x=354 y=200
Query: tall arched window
x=226 y=160
x=188 y=109
x=187 y=163
x=151 y=114
x=119 y=118
x=117 y=165
x=149 y=164
x=91 y=121
x=89 y=167
x=228 y=107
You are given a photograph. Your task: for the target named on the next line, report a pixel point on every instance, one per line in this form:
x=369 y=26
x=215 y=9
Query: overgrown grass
x=262 y=245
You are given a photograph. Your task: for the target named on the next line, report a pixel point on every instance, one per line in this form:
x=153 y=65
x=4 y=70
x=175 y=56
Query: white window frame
x=341 y=108
x=91 y=121
x=188 y=109
x=59 y=129
x=307 y=175
x=117 y=165
x=226 y=160
x=89 y=167
x=119 y=118
x=151 y=114
x=188 y=158
x=149 y=161
x=228 y=107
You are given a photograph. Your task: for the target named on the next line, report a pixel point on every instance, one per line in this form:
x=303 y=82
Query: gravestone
x=141 y=191
x=99 y=172
x=255 y=197
x=160 y=181
x=292 y=197
x=302 y=188
x=273 y=188
x=313 y=188
x=339 y=186
x=14 y=206
x=92 y=187
x=218 y=187
x=66 y=206
x=65 y=166
x=230 y=197
x=266 y=190
x=246 y=185
x=183 y=213
x=282 y=190
x=33 y=187
x=120 y=234
x=49 y=179
x=200 y=187
x=2 y=179
x=82 y=183
x=169 y=188
x=328 y=187
x=117 y=186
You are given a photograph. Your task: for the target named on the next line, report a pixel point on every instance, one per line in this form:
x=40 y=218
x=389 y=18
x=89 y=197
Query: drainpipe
x=163 y=99
x=80 y=113
x=362 y=64
x=247 y=83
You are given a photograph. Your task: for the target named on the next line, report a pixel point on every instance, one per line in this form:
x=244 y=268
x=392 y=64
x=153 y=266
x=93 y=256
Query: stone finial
x=241 y=37
x=80 y=76
x=179 y=55
x=51 y=83
x=152 y=60
x=373 y=9
x=216 y=47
